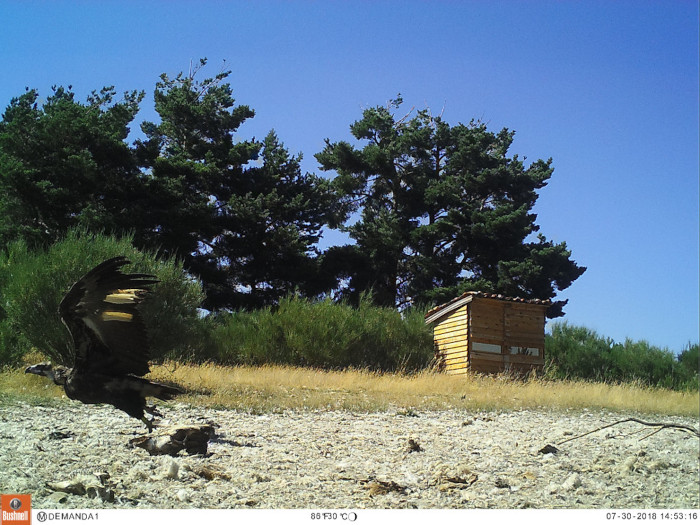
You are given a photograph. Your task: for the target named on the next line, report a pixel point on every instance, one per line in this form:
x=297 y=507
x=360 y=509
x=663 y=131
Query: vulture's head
x=58 y=374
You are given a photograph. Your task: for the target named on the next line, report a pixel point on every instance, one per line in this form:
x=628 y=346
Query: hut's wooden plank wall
x=451 y=337
x=491 y=335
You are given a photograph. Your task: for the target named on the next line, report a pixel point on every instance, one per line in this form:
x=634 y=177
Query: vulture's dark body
x=127 y=393
x=110 y=341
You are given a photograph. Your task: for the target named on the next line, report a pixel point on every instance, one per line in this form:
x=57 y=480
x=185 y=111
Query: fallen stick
x=635 y=420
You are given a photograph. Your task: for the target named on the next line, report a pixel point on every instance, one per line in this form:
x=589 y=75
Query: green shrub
x=688 y=370
x=640 y=361
x=12 y=345
x=578 y=352
x=32 y=283
x=325 y=334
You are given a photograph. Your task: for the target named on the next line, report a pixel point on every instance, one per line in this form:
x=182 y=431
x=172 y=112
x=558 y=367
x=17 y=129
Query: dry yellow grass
x=277 y=388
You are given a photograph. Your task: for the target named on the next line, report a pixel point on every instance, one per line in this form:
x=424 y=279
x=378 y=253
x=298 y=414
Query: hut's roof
x=466 y=297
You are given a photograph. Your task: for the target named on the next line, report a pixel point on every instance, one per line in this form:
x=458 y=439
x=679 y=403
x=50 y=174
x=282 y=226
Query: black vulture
x=110 y=342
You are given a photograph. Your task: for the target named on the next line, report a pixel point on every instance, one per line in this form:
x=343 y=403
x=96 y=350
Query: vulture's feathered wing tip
x=104 y=280
x=112 y=268
x=101 y=312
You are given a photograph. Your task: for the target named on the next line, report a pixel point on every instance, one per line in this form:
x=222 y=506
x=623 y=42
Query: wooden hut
x=489 y=333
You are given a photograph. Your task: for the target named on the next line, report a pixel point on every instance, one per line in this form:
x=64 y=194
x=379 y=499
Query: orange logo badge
x=16 y=509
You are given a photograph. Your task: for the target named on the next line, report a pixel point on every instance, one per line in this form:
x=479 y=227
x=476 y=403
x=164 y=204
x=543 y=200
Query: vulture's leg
x=148 y=423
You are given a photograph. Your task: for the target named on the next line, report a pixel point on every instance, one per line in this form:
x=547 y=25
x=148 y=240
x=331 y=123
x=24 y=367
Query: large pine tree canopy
x=433 y=209
x=442 y=210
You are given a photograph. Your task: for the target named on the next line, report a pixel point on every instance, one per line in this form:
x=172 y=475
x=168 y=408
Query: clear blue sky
x=609 y=90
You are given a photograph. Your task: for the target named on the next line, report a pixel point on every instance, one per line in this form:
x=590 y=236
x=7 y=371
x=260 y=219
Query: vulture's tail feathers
x=159 y=390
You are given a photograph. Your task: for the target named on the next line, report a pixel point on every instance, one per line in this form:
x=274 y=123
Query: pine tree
x=65 y=164
x=442 y=210
x=239 y=212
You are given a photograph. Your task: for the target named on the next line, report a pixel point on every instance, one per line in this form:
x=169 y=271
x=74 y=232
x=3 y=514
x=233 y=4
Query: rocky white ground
x=76 y=456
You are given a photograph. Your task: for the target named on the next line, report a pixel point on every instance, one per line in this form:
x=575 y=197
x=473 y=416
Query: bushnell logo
x=16 y=509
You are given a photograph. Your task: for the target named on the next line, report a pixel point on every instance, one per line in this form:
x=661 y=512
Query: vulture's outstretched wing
x=100 y=310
